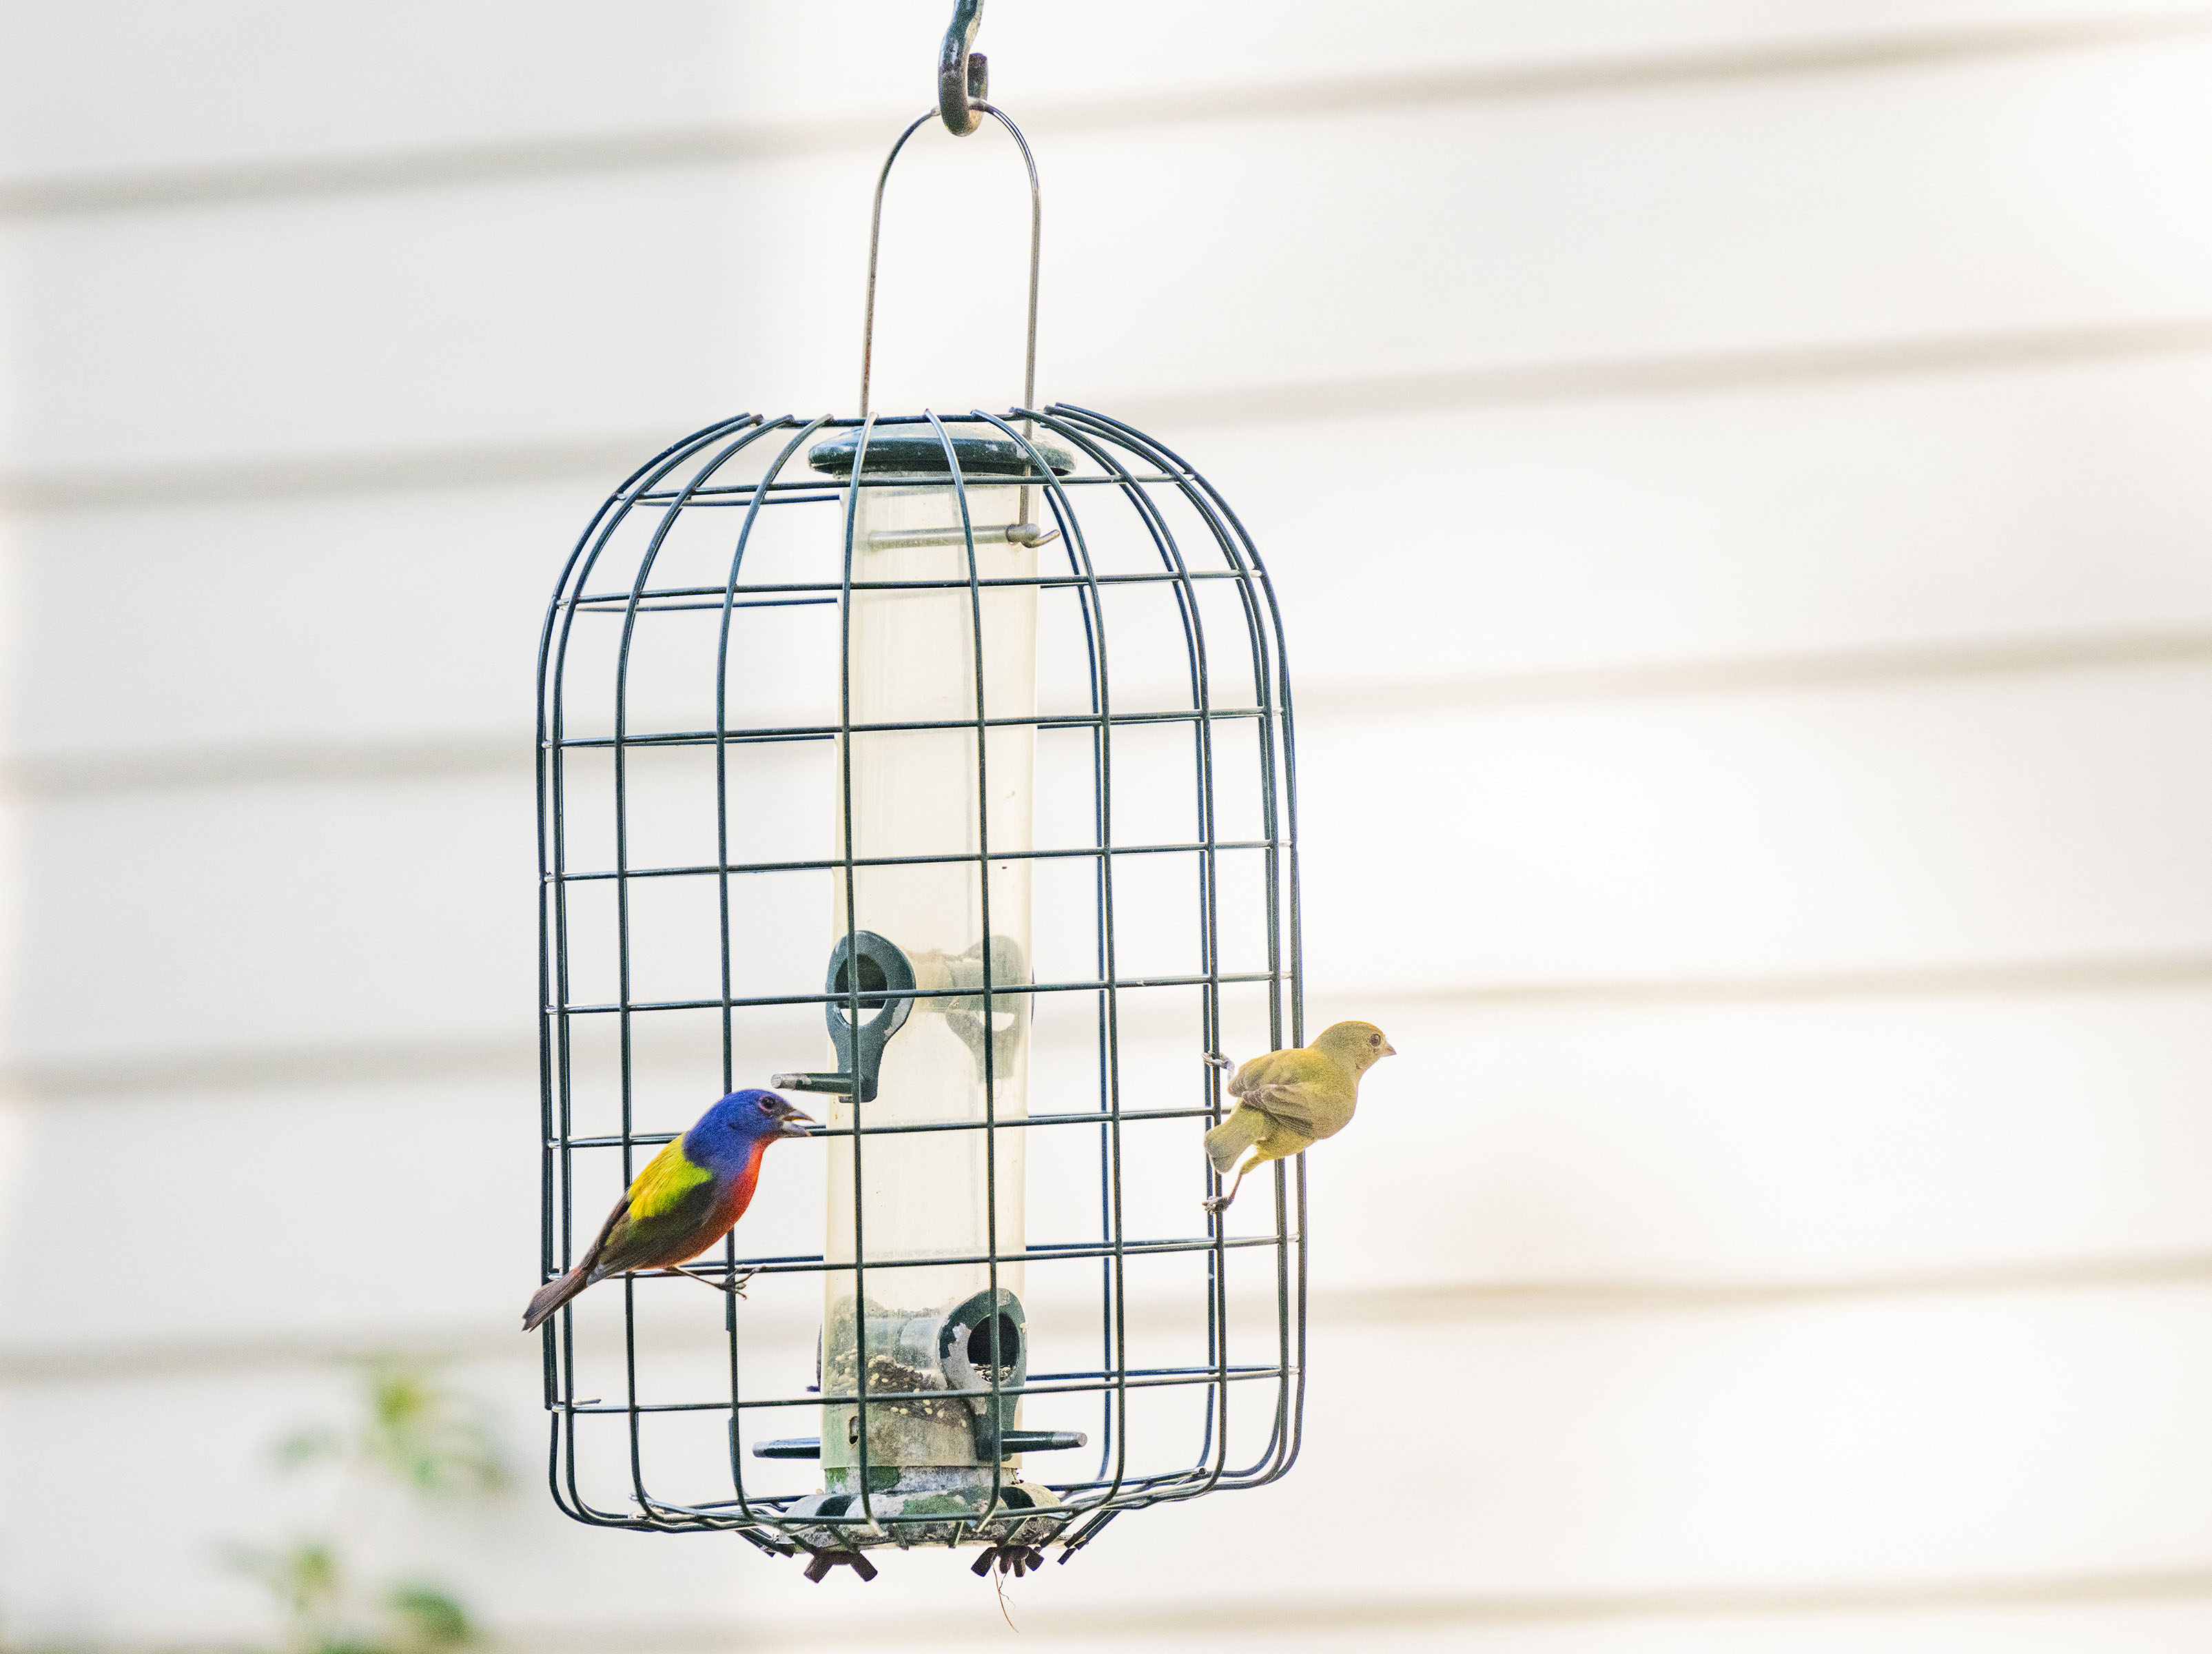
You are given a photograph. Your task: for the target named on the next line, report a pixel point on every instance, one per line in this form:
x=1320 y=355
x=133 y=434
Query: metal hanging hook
x=963 y=80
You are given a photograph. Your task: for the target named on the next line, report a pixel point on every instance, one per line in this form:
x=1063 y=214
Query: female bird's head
x=740 y=1125
x=1358 y=1045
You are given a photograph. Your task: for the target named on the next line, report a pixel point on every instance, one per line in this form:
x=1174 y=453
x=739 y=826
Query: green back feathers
x=666 y=1179
x=1299 y=1066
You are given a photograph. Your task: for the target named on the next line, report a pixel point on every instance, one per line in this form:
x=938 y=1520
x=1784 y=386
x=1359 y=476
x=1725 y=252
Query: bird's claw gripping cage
x=1001 y=698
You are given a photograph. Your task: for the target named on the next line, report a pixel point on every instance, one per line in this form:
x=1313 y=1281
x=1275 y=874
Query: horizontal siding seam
x=340 y=1066
x=130 y=189
x=580 y=460
x=64 y=778
x=1363 y=1617
x=1470 y=1303
x=1354 y=1617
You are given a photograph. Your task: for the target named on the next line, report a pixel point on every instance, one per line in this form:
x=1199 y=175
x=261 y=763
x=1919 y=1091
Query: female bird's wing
x=666 y=1204
x=1283 y=1086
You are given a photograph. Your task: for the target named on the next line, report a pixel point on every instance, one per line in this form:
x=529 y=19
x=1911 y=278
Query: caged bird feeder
x=963 y=739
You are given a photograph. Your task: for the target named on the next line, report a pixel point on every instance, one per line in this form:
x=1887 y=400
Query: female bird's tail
x=1243 y=1128
x=553 y=1294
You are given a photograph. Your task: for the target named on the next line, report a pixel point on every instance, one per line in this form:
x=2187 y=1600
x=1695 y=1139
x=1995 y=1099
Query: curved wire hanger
x=962 y=80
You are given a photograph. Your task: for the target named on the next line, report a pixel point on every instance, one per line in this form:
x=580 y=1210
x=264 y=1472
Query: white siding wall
x=1799 y=675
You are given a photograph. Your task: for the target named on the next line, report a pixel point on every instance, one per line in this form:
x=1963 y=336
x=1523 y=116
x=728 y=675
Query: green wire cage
x=942 y=766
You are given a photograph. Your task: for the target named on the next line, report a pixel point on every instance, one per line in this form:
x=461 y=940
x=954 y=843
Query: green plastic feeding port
x=941 y=1398
x=886 y=989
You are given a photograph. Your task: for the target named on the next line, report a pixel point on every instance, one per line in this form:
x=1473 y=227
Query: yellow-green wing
x=1291 y=1086
x=666 y=1179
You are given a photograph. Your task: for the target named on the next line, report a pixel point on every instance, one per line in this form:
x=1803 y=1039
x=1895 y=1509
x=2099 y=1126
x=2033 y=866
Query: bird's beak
x=1389 y=1050
x=792 y=1123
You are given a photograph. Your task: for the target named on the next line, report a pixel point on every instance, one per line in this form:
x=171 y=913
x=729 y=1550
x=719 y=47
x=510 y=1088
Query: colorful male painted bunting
x=1287 y=1101
x=686 y=1199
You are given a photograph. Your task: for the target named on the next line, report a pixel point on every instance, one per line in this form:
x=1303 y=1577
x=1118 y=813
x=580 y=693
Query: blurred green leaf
x=304 y=1446
x=433 y=1620
x=421 y=1433
x=415 y=1431
x=304 y=1579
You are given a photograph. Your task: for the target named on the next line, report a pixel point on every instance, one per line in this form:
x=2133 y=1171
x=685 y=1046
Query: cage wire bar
x=1126 y=482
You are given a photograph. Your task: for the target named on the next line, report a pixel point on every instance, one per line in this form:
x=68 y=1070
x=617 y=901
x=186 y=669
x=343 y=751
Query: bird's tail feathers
x=1233 y=1136
x=553 y=1294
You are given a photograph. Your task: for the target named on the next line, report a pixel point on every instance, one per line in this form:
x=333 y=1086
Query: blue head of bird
x=740 y=1127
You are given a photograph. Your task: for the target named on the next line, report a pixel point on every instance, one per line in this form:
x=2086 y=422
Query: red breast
x=722 y=1216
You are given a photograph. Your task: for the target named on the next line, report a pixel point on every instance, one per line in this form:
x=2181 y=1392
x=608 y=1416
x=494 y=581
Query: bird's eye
x=767 y=1107
x=1375 y=1039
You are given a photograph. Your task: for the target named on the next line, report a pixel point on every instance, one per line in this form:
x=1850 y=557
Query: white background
x=1737 y=473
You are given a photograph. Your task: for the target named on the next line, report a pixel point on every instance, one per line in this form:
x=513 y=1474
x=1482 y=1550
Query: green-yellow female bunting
x=1287 y=1101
